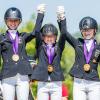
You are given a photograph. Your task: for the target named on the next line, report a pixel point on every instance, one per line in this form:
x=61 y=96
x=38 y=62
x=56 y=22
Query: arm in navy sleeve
x=36 y=30
x=63 y=28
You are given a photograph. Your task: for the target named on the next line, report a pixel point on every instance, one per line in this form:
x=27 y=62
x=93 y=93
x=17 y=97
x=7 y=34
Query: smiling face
x=49 y=39
x=12 y=23
x=88 y=33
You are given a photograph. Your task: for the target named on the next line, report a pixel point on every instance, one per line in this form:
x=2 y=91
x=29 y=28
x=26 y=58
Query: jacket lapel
x=82 y=47
x=7 y=37
x=95 y=47
x=20 y=43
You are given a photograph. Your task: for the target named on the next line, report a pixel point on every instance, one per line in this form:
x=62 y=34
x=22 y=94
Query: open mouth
x=87 y=33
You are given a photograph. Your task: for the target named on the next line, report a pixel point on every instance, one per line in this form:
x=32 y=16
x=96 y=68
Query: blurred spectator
x=65 y=92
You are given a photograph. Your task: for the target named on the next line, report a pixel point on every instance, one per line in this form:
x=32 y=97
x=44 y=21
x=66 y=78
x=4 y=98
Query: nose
x=13 y=22
x=49 y=39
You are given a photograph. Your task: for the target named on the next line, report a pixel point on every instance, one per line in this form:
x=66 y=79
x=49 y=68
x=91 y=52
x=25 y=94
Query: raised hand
x=60 y=13
x=41 y=8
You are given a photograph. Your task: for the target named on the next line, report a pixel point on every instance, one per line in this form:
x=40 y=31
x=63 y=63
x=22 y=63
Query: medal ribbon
x=50 y=53
x=14 y=42
x=88 y=54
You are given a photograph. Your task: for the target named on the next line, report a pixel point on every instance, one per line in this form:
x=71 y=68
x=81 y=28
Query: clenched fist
x=60 y=12
x=41 y=8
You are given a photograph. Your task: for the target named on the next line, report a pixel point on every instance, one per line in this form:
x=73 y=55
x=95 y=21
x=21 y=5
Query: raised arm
x=41 y=11
x=62 y=37
x=38 y=24
x=63 y=28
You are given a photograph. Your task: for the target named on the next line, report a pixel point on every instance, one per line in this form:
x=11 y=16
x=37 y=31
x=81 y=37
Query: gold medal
x=15 y=57
x=86 y=67
x=50 y=68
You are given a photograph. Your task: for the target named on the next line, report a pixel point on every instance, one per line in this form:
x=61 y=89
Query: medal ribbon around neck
x=14 y=42
x=50 y=53
x=88 y=54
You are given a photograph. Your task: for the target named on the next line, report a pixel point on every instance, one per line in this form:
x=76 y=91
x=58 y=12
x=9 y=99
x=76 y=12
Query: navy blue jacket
x=40 y=72
x=22 y=66
x=77 y=69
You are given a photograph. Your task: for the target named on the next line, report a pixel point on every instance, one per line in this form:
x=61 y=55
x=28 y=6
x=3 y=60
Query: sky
x=75 y=10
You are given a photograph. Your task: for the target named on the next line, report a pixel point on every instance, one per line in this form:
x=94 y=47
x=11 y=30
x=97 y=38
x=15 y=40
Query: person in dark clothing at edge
x=87 y=55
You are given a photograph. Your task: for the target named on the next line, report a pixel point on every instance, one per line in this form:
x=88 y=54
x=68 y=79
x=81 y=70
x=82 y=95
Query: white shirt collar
x=13 y=33
x=89 y=43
